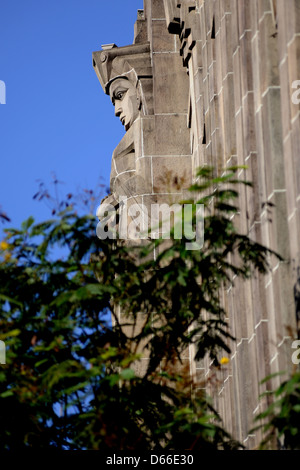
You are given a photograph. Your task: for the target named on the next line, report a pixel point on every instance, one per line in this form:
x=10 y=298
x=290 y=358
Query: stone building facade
x=217 y=84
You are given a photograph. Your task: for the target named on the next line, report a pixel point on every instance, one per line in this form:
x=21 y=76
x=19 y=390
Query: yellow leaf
x=4 y=245
x=224 y=360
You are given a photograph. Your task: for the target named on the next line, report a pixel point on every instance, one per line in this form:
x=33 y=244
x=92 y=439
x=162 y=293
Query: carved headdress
x=131 y=62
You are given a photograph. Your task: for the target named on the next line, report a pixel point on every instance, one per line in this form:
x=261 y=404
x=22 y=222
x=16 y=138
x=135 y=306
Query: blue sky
x=56 y=119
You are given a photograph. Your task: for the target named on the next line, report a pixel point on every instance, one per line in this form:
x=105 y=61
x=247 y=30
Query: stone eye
x=120 y=95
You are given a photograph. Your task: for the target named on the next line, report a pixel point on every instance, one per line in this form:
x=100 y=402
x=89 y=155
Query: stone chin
x=127 y=125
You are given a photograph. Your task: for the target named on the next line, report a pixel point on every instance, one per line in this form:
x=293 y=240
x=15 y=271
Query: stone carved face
x=123 y=95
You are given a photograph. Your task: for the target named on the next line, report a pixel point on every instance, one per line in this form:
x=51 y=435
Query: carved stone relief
x=125 y=75
x=154 y=154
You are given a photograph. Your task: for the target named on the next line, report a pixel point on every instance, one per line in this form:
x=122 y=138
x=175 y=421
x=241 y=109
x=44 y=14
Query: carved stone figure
x=125 y=74
x=131 y=63
x=154 y=154
x=124 y=97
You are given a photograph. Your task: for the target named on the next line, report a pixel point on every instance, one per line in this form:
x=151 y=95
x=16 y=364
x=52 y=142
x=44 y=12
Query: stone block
x=255 y=42
x=140 y=32
x=235 y=32
x=203 y=26
x=197 y=55
x=286 y=102
x=171 y=136
x=162 y=40
x=240 y=142
x=148 y=136
x=264 y=6
x=292 y=17
x=227 y=57
x=246 y=63
x=171 y=89
x=208 y=18
x=229 y=112
x=290 y=174
x=268 y=53
x=237 y=81
x=296 y=152
x=171 y=174
x=272 y=140
x=144 y=169
x=172 y=14
x=253 y=13
x=254 y=203
x=211 y=83
x=282 y=12
x=225 y=7
x=248 y=123
x=281 y=243
x=244 y=17
x=218 y=64
x=157 y=9
x=197 y=80
x=205 y=93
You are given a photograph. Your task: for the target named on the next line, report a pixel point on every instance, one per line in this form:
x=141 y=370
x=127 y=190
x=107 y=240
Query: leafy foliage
x=70 y=379
x=282 y=417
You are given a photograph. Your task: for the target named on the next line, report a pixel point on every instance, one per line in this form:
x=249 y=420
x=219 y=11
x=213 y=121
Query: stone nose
x=118 y=108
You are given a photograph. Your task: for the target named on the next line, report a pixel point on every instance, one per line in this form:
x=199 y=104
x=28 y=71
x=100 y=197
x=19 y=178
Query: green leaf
x=127 y=374
x=8 y=393
x=10 y=334
x=27 y=223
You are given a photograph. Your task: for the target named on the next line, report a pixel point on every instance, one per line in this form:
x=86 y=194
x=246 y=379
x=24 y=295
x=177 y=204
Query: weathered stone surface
x=214 y=83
